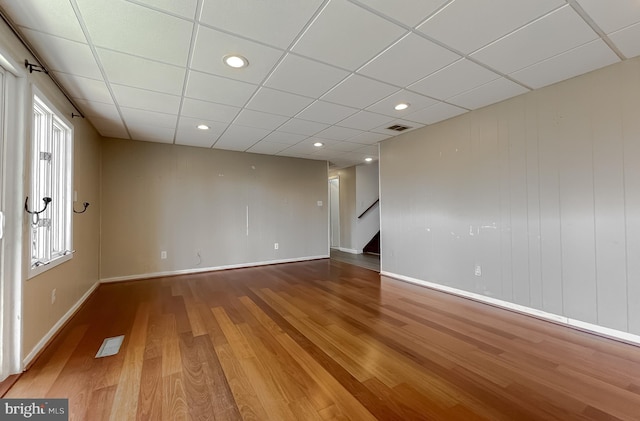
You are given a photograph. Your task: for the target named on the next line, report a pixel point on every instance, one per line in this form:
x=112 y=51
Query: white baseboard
x=576 y=324
x=207 y=269
x=54 y=330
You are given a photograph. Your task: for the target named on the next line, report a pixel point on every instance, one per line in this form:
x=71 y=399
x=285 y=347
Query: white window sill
x=35 y=271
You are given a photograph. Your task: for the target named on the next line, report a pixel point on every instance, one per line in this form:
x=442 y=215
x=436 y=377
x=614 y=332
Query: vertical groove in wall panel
x=576 y=189
x=518 y=200
x=550 y=216
x=608 y=159
x=533 y=203
x=631 y=141
x=486 y=222
x=506 y=249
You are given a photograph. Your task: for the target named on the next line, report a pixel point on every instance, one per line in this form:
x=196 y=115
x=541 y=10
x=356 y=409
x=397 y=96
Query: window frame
x=55 y=120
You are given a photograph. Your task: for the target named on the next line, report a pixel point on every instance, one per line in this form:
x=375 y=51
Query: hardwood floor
x=364 y=260
x=324 y=340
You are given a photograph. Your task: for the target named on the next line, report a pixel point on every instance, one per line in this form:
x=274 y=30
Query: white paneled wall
x=541 y=191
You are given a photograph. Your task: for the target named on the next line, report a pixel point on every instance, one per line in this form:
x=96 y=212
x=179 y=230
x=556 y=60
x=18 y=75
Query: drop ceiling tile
x=371 y=150
x=556 y=33
x=418 y=57
x=627 y=40
x=184 y=8
x=328 y=154
x=259 y=119
x=146 y=100
x=278 y=102
x=282 y=137
x=583 y=59
x=295 y=154
x=218 y=89
x=65 y=56
x=454 y=79
x=467 y=25
x=54 y=17
x=412 y=125
x=326 y=112
x=211 y=46
x=208 y=110
x=612 y=16
x=98 y=109
x=347 y=35
x=370 y=137
x=489 y=93
x=337 y=145
x=261 y=20
x=125 y=69
x=137 y=30
x=408 y=12
x=439 y=112
x=302 y=76
x=189 y=134
x=415 y=101
x=133 y=116
x=365 y=120
x=269 y=148
x=302 y=127
x=359 y=92
x=84 y=88
x=240 y=138
x=359 y=157
x=338 y=133
x=305 y=147
x=109 y=127
x=151 y=133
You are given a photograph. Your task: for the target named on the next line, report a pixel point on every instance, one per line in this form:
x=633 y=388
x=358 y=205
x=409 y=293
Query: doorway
x=11 y=189
x=334 y=211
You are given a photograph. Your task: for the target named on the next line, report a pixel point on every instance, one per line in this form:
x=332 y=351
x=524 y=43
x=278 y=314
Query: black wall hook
x=35 y=67
x=85 y=204
x=46 y=201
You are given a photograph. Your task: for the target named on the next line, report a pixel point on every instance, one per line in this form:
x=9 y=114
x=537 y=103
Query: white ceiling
x=319 y=70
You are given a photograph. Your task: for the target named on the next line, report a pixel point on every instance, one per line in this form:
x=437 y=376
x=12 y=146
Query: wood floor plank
x=150 y=395
x=174 y=400
x=220 y=394
x=244 y=394
x=128 y=390
x=324 y=340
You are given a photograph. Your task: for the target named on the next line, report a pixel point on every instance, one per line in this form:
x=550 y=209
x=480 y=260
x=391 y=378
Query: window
x=51 y=177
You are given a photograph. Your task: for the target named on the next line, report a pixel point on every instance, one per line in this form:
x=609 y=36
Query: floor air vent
x=110 y=346
x=398 y=128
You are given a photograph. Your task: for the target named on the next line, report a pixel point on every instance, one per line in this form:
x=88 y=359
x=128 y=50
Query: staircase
x=373 y=246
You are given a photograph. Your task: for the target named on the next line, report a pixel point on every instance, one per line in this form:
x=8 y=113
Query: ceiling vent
x=398 y=128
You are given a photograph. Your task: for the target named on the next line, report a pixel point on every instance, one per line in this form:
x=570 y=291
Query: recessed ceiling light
x=203 y=127
x=235 y=61
x=318 y=144
x=401 y=106
x=368 y=159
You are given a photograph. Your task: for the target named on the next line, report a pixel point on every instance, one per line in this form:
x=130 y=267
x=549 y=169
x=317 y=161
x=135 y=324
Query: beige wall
x=74 y=278
x=193 y=201
x=542 y=191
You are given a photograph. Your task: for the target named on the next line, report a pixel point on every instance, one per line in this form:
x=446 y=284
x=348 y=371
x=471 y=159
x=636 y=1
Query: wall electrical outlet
x=163 y=254
x=53 y=296
x=478 y=271
x=275 y=246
